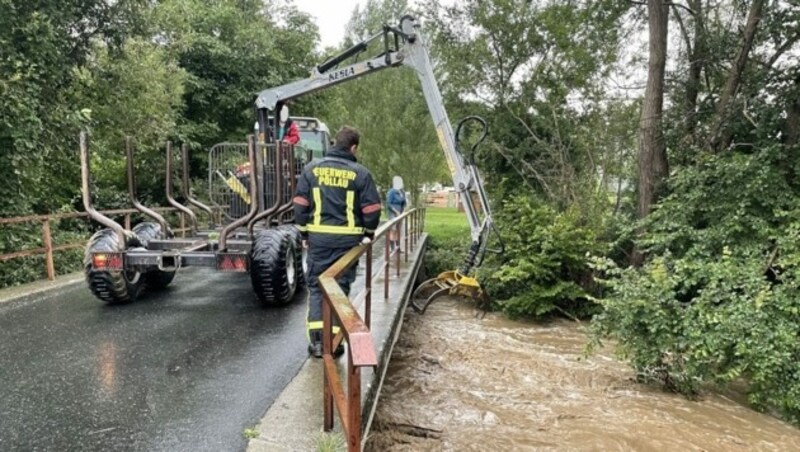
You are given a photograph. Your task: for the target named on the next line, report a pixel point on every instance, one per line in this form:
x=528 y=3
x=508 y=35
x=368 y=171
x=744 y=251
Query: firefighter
x=336 y=207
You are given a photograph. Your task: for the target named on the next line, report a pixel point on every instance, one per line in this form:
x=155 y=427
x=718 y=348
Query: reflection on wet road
x=186 y=369
x=457 y=382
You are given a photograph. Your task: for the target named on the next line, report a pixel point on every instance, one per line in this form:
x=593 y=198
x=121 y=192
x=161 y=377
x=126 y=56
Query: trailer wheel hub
x=290 y=272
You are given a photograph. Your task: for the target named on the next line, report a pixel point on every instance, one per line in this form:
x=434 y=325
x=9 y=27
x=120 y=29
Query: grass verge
x=449 y=239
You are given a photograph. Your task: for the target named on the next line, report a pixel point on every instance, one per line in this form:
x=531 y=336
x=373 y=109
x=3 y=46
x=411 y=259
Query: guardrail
x=47 y=240
x=354 y=329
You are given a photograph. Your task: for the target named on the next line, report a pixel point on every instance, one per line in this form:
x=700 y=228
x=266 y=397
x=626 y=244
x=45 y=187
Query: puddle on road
x=457 y=382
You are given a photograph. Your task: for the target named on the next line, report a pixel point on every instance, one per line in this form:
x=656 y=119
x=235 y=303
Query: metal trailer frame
x=219 y=245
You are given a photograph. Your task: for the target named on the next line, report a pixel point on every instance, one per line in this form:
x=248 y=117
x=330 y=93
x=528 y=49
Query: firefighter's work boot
x=315 y=349
x=339 y=351
x=315 y=344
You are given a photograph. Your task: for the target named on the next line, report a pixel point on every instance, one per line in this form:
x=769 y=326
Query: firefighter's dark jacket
x=336 y=203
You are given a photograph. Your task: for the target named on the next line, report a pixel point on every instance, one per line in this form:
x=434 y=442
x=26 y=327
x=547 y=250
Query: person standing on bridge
x=395 y=205
x=336 y=207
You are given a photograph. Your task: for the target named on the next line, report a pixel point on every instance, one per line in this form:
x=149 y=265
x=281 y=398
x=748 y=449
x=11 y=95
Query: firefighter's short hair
x=347 y=136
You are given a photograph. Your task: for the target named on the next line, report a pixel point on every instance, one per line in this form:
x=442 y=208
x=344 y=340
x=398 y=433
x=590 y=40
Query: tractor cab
x=314 y=135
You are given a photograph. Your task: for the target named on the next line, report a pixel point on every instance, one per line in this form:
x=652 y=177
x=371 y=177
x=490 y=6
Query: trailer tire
x=112 y=287
x=155 y=279
x=272 y=267
x=300 y=255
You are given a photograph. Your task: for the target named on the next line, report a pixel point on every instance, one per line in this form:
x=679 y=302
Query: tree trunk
x=653 y=168
x=721 y=133
x=652 y=149
x=793 y=117
x=792 y=129
x=697 y=58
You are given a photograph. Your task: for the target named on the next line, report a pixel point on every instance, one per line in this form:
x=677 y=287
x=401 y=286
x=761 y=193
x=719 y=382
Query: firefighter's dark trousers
x=319 y=259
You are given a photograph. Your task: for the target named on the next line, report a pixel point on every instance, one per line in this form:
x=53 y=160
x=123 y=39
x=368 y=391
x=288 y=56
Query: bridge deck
x=294 y=421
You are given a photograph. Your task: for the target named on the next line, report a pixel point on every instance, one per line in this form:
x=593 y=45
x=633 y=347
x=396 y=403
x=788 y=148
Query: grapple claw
x=447 y=283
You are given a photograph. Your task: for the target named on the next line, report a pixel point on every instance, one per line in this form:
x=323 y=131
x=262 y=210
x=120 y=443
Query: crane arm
x=403 y=46
x=318 y=81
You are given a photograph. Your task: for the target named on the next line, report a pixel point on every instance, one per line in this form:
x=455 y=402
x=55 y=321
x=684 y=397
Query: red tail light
x=232 y=262
x=108 y=261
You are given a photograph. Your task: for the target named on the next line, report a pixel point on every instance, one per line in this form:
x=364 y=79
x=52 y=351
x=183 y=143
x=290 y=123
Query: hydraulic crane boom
x=405 y=46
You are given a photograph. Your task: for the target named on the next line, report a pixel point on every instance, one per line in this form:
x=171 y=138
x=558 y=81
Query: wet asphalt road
x=189 y=368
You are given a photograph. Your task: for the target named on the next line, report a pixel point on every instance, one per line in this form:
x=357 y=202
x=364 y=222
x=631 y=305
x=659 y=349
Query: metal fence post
x=405 y=236
x=415 y=227
x=353 y=405
x=386 y=268
x=368 y=298
x=48 y=246
x=397 y=250
x=327 y=394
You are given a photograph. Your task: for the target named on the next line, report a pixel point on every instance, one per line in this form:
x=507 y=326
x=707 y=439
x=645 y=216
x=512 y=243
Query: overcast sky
x=331 y=17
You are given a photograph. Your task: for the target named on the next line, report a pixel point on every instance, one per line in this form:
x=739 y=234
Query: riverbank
x=461 y=382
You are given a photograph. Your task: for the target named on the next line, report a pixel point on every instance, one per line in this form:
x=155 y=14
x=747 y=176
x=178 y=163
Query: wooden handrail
x=361 y=347
x=48 y=249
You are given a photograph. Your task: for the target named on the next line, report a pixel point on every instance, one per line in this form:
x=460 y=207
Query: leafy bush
x=544 y=268
x=445 y=254
x=717 y=299
x=28 y=236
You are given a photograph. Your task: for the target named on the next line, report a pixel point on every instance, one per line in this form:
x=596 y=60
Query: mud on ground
x=459 y=382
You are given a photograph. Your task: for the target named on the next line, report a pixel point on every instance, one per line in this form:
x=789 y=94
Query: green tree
x=136 y=92
x=42 y=44
x=715 y=300
x=231 y=50
x=389 y=109
x=538 y=81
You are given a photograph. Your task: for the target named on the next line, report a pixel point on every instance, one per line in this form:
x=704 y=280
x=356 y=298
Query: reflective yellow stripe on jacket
x=349 y=229
x=317 y=207
x=351 y=200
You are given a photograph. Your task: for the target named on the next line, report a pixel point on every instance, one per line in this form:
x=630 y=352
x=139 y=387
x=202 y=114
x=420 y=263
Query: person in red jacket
x=286 y=131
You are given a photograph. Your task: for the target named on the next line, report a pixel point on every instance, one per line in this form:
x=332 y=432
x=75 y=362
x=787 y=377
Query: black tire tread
x=110 y=287
x=267 y=267
x=298 y=256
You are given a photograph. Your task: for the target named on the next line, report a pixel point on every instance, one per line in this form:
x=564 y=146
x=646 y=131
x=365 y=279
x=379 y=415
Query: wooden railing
x=361 y=347
x=47 y=237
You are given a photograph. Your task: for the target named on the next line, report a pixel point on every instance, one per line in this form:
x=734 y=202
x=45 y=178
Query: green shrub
x=717 y=299
x=28 y=236
x=445 y=254
x=544 y=267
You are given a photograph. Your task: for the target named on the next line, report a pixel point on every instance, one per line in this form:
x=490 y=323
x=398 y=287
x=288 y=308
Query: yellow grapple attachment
x=447 y=283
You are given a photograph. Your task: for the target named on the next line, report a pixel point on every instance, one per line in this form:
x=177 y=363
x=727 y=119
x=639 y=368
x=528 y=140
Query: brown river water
x=457 y=382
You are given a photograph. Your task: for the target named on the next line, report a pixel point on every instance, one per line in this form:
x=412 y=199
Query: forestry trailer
x=251 y=186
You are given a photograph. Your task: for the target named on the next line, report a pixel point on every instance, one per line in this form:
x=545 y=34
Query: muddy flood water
x=457 y=382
